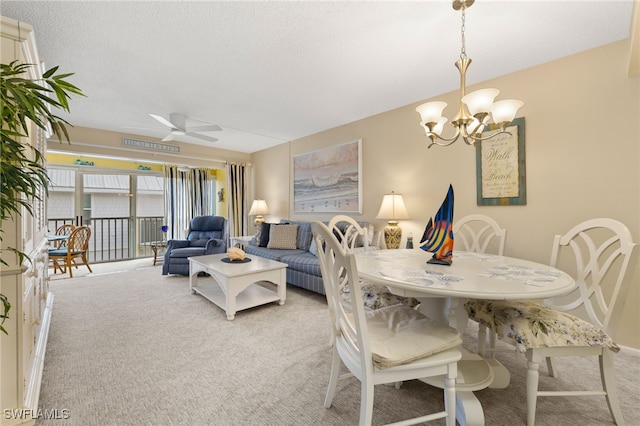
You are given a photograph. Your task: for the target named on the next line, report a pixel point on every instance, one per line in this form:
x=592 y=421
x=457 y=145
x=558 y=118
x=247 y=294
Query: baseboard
x=32 y=393
x=630 y=351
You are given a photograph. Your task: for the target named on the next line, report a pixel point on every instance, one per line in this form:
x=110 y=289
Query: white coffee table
x=233 y=286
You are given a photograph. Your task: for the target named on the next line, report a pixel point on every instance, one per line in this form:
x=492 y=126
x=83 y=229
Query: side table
x=240 y=241
x=155 y=245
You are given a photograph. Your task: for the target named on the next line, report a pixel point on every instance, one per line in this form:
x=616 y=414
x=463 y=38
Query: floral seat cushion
x=377 y=296
x=530 y=325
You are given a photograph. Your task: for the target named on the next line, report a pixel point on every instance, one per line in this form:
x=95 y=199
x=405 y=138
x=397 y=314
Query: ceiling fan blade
x=138 y=128
x=206 y=128
x=178 y=121
x=203 y=137
x=178 y=125
x=163 y=120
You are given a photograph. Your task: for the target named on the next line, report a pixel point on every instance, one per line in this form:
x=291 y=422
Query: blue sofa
x=303 y=266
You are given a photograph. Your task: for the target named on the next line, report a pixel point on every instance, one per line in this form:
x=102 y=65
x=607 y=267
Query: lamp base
x=392 y=235
x=258 y=224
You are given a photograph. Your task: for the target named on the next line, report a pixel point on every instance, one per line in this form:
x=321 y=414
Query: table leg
x=446 y=311
x=194 y=270
x=468 y=408
x=154 y=248
x=282 y=287
x=191 y=273
x=230 y=294
x=435 y=308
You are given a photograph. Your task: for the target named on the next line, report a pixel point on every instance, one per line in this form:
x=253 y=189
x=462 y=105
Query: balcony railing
x=112 y=240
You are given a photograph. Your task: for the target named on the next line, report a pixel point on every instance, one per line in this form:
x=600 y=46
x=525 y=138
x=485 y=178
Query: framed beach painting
x=329 y=180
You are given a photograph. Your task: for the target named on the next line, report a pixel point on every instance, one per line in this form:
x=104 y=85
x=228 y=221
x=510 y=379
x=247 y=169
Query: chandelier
x=477 y=109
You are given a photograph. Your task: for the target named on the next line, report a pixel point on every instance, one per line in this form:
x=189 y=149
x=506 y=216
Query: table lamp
x=392 y=209
x=258 y=208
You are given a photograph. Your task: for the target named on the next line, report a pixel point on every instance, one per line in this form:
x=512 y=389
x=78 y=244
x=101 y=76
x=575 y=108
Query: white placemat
x=521 y=274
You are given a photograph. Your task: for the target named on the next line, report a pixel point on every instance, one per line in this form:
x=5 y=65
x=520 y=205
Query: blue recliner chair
x=207 y=235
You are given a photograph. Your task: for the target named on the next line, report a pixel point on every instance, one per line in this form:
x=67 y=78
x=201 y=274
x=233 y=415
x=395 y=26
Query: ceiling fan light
x=480 y=100
x=505 y=111
x=431 y=112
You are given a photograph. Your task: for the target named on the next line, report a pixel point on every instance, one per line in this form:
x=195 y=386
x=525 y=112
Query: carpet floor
x=137 y=348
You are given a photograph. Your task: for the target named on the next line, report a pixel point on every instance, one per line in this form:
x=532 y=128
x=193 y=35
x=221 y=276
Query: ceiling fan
x=178 y=125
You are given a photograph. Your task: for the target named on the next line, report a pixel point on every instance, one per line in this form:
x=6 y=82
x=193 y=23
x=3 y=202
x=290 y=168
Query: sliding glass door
x=125 y=211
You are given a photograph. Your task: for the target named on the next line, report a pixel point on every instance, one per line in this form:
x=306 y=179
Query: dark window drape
x=238 y=190
x=188 y=193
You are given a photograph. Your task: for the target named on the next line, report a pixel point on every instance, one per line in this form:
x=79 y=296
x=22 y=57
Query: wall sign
x=500 y=167
x=152 y=146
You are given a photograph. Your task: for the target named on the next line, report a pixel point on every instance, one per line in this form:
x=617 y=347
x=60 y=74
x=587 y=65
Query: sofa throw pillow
x=313 y=247
x=304 y=233
x=282 y=236
x=264 y=235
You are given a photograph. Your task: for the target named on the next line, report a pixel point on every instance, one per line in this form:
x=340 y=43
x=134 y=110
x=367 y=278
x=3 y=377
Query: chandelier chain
x=463 y=49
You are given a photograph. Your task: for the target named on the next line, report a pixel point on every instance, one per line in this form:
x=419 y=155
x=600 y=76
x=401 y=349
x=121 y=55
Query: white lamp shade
x=431 y=112
x=480 y=100
x=392 y=207
x=259 y=207
x=505 y=111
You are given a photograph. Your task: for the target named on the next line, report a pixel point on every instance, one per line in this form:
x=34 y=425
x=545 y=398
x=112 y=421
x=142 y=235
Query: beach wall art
x=329 y=179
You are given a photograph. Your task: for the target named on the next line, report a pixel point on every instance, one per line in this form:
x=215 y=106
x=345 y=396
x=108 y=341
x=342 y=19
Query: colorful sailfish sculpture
x=438 y=236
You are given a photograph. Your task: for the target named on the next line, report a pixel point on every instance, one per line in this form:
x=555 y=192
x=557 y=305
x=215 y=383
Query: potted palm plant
x=22 y=171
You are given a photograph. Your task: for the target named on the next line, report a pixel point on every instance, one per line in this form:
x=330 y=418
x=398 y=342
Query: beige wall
x=582 y=159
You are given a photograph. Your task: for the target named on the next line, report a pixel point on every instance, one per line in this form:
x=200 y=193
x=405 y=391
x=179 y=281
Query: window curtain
x=238 y=190
x=188 y=194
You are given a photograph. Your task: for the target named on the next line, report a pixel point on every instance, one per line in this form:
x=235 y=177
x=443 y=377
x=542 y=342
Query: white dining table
x=442 y=291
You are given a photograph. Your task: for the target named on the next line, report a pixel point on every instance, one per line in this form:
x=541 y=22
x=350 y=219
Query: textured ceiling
x=269 y=72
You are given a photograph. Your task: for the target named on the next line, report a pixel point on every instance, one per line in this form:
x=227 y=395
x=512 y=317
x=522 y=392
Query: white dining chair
x=354 y=237
x=479 y=233
x=386 y=345
x=604 y=257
